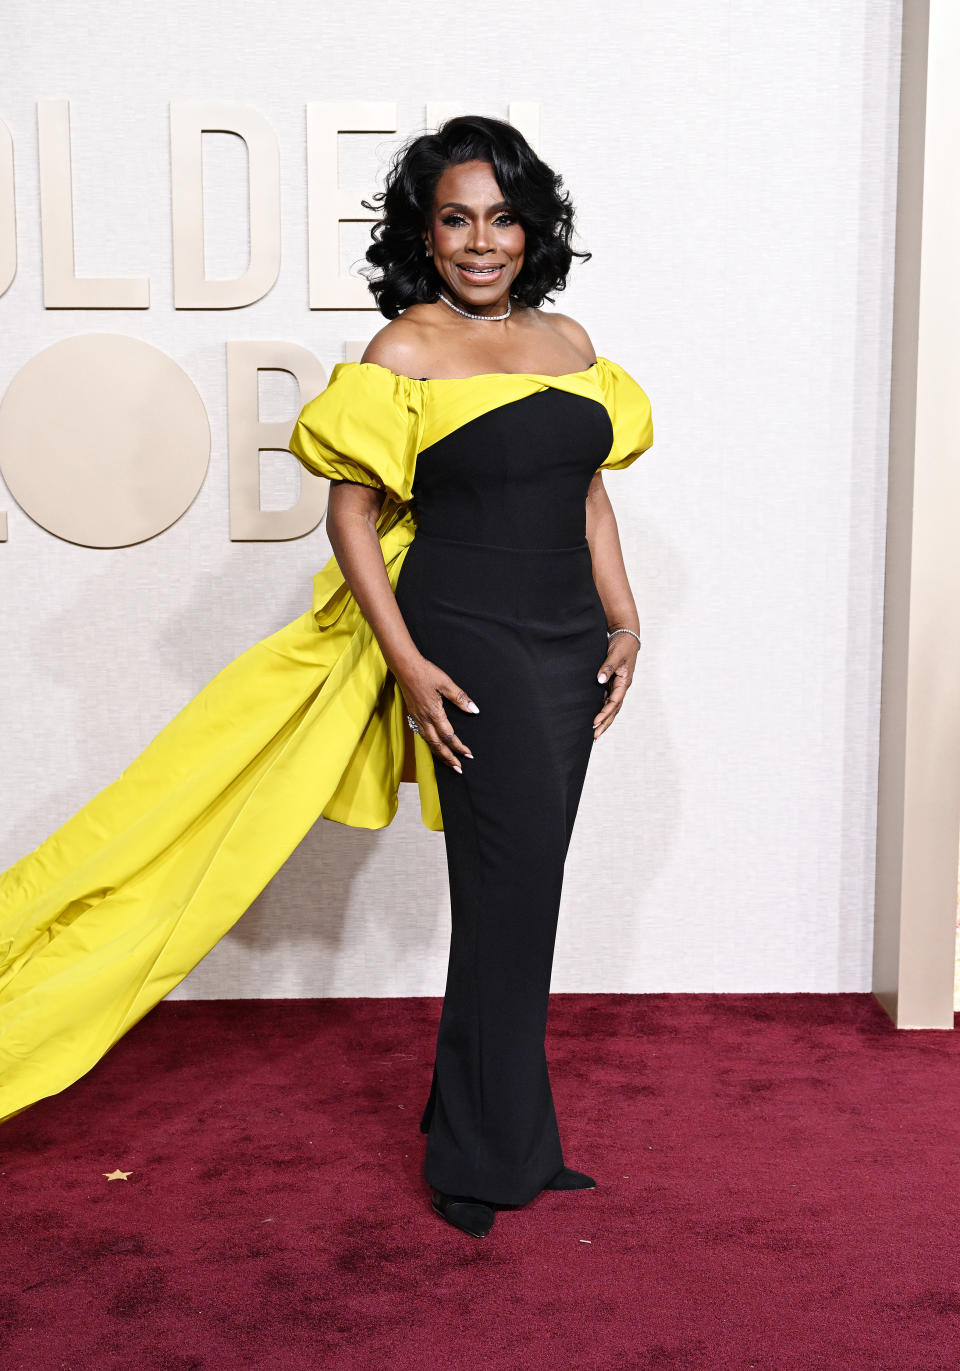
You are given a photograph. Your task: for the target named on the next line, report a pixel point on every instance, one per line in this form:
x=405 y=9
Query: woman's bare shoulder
x=398 y=346
x=572 y=332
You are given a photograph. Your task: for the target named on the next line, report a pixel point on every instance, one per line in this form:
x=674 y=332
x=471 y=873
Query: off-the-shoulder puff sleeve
x=629 y=409
x=364 y=427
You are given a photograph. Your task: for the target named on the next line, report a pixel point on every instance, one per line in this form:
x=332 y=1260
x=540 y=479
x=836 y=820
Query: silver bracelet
x=624 y=630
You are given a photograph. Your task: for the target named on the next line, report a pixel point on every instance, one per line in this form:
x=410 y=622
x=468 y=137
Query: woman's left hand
x=618 y=667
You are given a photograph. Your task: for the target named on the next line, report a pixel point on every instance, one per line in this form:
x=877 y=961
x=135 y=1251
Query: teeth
x=480 y=271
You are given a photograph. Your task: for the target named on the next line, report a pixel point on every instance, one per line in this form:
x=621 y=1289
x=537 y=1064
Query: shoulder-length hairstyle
x=534 y=191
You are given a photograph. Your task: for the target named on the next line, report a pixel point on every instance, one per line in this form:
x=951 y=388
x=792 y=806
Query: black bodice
x=516 y=476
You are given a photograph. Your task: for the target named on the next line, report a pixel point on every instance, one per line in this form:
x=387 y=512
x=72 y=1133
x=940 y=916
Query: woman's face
x=471 y=226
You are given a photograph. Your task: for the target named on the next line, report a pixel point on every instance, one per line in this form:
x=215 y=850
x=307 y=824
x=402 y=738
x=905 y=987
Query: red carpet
x=778 y=1190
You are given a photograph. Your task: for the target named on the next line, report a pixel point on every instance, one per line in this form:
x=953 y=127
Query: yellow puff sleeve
x=629 y=409
x=365 y=427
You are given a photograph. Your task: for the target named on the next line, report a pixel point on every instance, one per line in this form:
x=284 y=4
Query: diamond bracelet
x=624 y=630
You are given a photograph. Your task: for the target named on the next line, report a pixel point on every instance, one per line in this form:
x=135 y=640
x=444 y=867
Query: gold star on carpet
x=116 y=1175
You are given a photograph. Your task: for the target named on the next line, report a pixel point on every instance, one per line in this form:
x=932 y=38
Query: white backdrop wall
x=734 y=171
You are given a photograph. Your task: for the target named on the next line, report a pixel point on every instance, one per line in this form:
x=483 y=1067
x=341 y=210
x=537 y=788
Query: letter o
x=104 y=440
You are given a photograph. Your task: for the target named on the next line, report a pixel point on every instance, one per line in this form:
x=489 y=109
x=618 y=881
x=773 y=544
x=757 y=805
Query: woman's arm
x=610 y=576
x=352 y=511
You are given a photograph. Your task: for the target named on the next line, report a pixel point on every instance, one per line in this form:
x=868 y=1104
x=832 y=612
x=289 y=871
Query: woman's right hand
x=424 y=688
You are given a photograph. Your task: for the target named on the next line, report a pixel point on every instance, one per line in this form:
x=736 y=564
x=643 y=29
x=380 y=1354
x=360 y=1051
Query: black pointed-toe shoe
x=463 y=1211
x=566 y=1179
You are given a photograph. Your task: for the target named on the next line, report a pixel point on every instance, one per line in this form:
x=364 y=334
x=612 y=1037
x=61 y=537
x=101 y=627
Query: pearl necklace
x=467 y=315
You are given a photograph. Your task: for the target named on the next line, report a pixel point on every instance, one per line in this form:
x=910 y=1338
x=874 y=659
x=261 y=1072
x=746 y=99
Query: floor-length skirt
x=523 y=632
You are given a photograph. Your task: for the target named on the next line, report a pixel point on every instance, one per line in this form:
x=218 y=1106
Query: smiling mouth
x=480 y=273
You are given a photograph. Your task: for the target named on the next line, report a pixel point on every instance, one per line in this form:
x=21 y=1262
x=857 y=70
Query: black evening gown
x=498 y=589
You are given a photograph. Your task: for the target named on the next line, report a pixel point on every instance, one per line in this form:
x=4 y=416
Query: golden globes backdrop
x=180 y=241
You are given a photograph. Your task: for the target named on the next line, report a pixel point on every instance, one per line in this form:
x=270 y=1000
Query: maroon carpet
x=778 y=1181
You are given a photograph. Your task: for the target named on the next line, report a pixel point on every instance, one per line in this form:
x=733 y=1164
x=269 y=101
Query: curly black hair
x=534 y=191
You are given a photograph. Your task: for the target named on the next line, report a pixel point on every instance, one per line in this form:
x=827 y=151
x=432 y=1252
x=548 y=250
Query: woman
x=476 y=604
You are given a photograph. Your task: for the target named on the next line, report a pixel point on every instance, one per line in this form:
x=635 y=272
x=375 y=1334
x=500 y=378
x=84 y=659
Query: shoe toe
x=464 y=1212
x=568 y=1179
